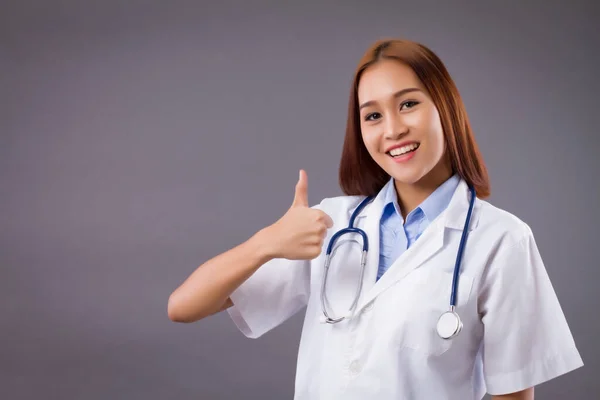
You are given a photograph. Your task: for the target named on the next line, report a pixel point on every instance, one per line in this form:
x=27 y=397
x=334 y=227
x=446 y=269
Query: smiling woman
x=401 y=87
x=411 y=160
x=387 y=120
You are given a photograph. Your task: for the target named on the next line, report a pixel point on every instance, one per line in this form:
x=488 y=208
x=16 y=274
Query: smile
x=399 y=151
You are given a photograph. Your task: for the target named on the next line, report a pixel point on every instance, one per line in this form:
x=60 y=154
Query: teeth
x=404 y=149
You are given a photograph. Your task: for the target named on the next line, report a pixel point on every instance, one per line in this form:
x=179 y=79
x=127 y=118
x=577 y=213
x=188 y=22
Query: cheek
x=436 y=133
x=370 y=140
x=437 y=139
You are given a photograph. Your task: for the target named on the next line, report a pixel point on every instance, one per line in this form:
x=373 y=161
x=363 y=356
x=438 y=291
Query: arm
x=207 y=289
x=298 y=235
x=526 y=394
x=526 y=340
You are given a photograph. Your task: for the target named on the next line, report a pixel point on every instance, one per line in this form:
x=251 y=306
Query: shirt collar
x=432 y=206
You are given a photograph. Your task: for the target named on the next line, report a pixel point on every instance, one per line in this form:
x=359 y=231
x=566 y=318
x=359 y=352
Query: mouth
x=403 y=151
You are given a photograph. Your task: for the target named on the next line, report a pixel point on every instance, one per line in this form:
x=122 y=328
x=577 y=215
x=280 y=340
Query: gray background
x=138 y=139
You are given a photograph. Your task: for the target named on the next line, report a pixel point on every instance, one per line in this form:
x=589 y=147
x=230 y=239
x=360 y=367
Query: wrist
x=264 y=245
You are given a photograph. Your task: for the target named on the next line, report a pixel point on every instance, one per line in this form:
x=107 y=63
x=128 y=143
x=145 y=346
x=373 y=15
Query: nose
x=394 y=128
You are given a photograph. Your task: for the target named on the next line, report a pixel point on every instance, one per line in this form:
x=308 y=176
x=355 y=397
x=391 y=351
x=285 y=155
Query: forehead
x=381 y=80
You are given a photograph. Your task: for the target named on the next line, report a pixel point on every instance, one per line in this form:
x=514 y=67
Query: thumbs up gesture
x=301 y=195
x=299 y=234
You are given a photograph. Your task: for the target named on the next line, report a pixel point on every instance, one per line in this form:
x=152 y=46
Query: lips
x=403 y=149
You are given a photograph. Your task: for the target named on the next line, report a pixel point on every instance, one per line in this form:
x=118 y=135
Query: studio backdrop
x=139 y=139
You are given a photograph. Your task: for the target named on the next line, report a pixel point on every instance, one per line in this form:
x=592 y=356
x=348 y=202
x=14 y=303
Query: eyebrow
x=396 y=95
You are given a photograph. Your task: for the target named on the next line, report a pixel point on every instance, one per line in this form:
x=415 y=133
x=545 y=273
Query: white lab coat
x=515 y=334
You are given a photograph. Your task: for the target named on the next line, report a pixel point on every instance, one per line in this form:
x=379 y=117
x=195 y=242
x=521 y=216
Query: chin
x=414 y=173
x=408 y=179
x=407 y=175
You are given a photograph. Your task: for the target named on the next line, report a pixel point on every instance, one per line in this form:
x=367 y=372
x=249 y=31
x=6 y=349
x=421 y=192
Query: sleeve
x=274 y=293
x=527 y=340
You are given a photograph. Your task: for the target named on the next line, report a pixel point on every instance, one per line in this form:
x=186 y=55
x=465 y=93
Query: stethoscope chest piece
x=449 y=325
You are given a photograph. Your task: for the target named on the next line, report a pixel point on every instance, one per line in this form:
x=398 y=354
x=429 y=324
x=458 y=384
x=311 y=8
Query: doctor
x=410 y=155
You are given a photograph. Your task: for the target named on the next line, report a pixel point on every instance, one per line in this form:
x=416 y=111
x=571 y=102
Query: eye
x=409 y=104
x=372 y=116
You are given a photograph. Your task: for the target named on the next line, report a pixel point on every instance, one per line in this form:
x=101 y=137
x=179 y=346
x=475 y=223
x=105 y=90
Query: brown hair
x=359 y=174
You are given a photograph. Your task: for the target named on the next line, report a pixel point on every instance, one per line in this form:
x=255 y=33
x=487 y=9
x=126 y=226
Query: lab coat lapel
x=429 y=244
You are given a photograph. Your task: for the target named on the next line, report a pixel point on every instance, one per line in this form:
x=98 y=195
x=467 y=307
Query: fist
x=299 y=234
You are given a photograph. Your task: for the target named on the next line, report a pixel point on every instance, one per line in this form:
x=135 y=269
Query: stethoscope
x=449 y=323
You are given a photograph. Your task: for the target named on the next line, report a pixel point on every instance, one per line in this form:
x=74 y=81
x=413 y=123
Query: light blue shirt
x=397 y=235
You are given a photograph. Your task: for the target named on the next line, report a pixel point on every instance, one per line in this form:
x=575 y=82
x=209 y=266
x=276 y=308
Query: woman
x=409 y=145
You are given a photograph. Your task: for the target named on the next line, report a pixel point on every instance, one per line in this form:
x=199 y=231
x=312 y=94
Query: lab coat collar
x=453 y=217
x=429 y=244
x=456 y=213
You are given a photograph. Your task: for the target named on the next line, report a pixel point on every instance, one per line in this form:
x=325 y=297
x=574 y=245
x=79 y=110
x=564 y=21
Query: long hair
x=359 y=174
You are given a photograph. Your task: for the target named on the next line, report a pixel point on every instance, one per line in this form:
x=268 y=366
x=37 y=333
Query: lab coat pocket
x=428 y=297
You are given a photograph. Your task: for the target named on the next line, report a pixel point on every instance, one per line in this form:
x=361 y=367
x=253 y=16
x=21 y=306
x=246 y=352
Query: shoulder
x=502 y=223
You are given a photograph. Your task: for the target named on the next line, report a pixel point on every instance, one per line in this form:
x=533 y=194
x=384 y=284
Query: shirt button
x=368 y=307
x=355 y=367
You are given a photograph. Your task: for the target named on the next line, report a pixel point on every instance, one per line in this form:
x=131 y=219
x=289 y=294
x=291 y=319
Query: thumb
x=301 y=195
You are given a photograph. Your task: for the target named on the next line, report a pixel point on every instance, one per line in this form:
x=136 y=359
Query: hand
x=299 y=234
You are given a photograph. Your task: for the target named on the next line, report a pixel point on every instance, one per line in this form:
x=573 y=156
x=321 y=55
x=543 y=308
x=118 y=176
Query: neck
x=410 y=195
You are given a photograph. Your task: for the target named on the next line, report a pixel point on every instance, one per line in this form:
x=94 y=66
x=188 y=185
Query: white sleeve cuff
x=535 y=373
x=242 y=318
x=275 y=292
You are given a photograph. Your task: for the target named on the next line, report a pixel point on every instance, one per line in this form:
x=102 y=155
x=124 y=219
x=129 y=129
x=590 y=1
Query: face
x=400 y=125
